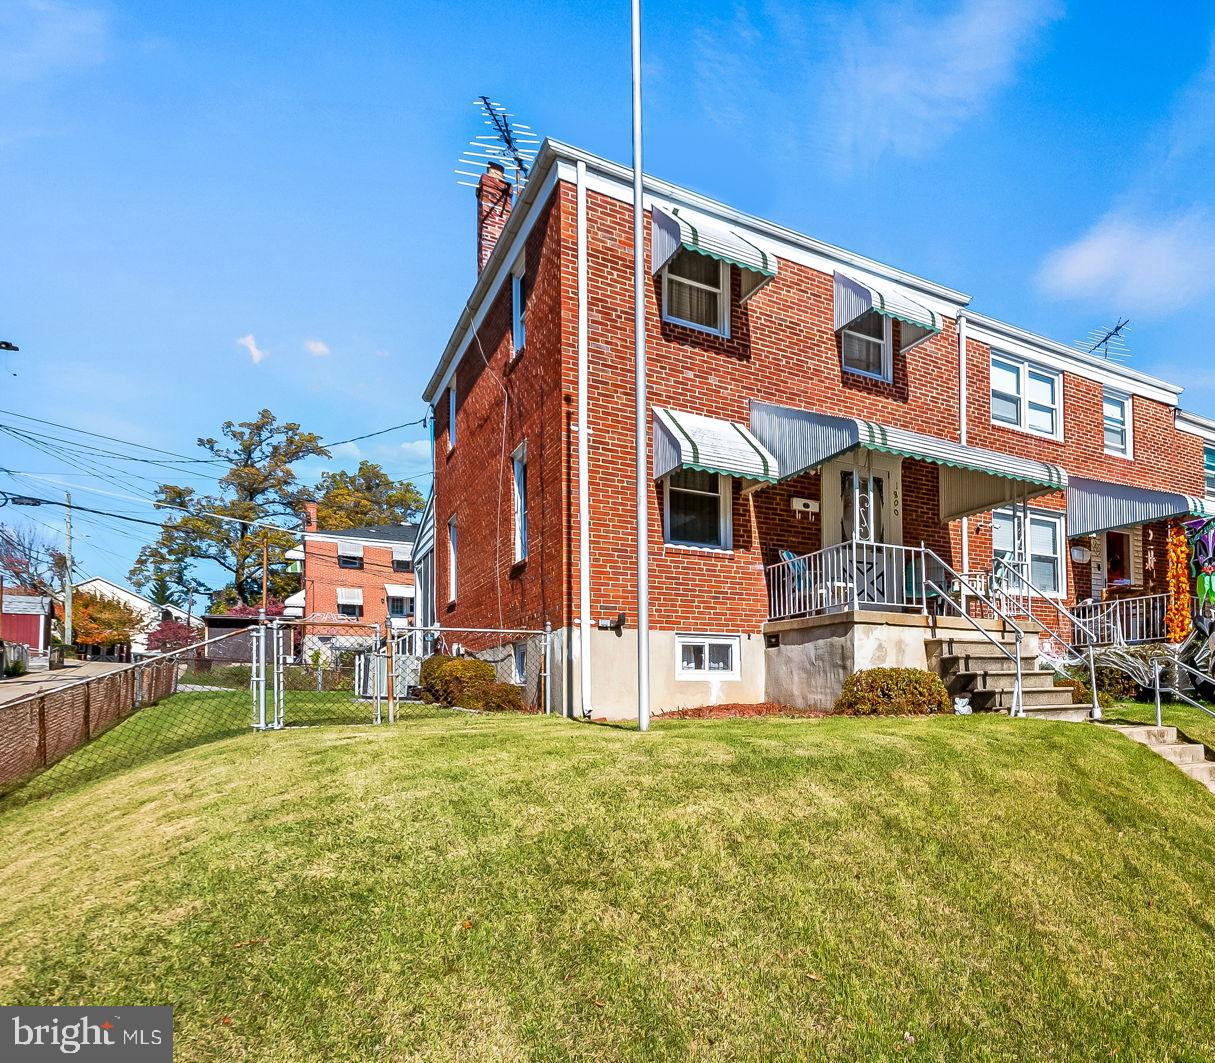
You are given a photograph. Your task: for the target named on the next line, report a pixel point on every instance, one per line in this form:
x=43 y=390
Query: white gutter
x=963 y=426
x=584 y=479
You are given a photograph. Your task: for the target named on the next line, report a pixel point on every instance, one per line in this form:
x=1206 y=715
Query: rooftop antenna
x=509 y=144
x=1108 y=343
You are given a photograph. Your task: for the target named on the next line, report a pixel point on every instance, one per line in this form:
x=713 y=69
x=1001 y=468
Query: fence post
x=1156 y=685
x=548 y=668
x=138 y=686
x=1092 y=678
x=390 y=669
x=259 y=661
x=42 y=757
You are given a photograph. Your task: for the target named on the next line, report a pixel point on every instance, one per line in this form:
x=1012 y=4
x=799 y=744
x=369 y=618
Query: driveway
x=36 y=682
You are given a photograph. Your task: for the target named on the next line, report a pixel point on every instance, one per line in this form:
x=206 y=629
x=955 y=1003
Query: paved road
x=36 y=682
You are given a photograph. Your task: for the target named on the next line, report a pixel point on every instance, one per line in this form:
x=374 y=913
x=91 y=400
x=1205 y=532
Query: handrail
x=1018 y=705
x=1177 y=663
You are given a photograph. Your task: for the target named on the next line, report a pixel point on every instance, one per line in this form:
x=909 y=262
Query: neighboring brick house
x=802 y=398
x=363 y=574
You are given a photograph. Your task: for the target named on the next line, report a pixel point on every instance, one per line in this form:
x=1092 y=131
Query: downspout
x=584 y=479
x=962 y=429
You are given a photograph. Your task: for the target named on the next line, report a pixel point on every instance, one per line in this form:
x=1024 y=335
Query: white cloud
x=317 y=347
x=44 y=38
x=1136 y=265
x=346 y=450
x=416 y=448
x=256 y=354
x=906 y=78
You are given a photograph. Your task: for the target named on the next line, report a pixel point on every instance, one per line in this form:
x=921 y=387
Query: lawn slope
x=462 y=887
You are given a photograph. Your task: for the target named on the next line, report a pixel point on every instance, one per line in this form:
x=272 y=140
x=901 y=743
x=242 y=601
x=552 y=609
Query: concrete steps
x=976 y=669
x=1189 y=757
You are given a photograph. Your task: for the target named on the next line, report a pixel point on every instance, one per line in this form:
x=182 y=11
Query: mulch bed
x=732 y=709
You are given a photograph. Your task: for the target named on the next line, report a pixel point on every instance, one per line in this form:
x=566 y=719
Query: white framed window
x=519 y=498
x=1208 y=470
x=1038 y=540
x=399 y=607
x=696 y=292
x=451 y=559
x=350 y=602
x=518 y=309
x=519 y=663
x=1026 y=396
x=1116 y=422
x=696 y=510
x=865 y=347
x=451 y=415
x=707 y=657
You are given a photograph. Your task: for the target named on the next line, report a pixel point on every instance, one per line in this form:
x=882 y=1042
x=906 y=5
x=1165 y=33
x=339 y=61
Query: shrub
x=1081 y=693
x=893 y=692
x=15 y=669
x=459 y=681
x=502 y=697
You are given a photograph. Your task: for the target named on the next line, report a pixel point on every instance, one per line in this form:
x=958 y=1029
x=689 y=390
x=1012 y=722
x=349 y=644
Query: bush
x=459 y=681
x=893 y=692
x=15 y=669
x=1081 y=693
x=502 y=697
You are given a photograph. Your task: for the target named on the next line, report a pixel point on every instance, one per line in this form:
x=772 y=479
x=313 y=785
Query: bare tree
x=29 y=560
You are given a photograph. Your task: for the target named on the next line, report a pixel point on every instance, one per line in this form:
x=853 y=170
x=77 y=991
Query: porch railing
x=1125 y=620
x=852 y=575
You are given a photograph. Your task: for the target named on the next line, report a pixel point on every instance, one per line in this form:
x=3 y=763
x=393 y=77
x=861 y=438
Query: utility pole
x=67 y=577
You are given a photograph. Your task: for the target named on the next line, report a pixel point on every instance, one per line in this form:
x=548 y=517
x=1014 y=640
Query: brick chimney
x=493 y=208
x=310 y=516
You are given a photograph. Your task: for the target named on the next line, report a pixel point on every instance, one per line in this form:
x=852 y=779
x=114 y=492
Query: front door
x=862 y=502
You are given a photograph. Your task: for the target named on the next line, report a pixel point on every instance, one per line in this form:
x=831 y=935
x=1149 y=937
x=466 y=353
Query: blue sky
x=213 y=207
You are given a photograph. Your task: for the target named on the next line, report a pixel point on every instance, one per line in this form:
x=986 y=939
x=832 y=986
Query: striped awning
x=348 y=549
x=350 y=595
x=1095 y=506
x=708 y=444
x=854 y=299
x=673 y=229
x=973 y=479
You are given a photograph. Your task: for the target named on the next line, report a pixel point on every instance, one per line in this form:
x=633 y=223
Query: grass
x=504 y=887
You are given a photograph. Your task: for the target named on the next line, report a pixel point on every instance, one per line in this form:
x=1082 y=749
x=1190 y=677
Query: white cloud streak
x=1136 y=265
x=44 y=39
x=256 y=354
x=416 y=448
x=906 y=79
x=319 y=348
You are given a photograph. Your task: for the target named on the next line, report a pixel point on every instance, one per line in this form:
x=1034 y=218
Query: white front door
x=862 y=502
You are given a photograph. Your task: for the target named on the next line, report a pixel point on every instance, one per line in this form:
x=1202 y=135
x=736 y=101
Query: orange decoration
x=1177 y=621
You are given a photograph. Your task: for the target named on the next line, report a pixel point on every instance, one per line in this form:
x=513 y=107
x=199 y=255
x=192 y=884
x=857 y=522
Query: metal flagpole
x=643 y=522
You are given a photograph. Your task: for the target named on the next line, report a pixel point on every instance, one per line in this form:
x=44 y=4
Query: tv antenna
x=509 y=144
x=1108 y=343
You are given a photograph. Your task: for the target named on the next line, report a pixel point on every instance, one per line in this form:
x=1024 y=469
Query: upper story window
x=451 y=559
x=451 y=415
x=402 y=559
x=696 y=292
x=697 y=509
x=1116 y=422
x=1208 y=470
x=518 y=308
x=350 y=555
x=519 y=498
x=1026 y=396
x=865 y=346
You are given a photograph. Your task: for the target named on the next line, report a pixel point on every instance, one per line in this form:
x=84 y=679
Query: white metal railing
x=851 y=575
x=1126 y=620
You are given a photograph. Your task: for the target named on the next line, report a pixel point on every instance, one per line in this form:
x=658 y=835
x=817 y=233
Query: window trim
x=519 y=542
x=705 y=676
x=518 y=310
x=389 y=599
x=1059 y=519
x=356 y=615
x=1111 y=394
x=723 y=301
x=1208 y=475
x=404 y=565
x=350 y=561
x=1024 y=367
x=725 y=515
x=453 y=544
x=451 y=416
x=887 y=341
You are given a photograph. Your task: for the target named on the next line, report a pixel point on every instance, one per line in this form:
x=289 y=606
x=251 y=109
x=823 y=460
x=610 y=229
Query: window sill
x=880 y=378
x=1053 y=437
x=707 y=677
x=698 y=549
x=721 y=334
x=1119 y=454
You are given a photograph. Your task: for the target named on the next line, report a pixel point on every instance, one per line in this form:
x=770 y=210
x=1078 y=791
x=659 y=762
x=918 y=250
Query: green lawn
x=1195 y=724
x=483 y=888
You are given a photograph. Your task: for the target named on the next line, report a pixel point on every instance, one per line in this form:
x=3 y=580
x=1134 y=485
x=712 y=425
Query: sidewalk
x=36 y=682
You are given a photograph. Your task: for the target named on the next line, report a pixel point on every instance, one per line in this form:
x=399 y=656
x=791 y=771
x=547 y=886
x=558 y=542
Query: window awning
x=293 y=604
x=854 y=299
x=972 y=480
x=350 y=595
x=349 y=549
x=402 y=553
x=398 y=590
x=709 y=444
x=1095 y=506
x=673 y=229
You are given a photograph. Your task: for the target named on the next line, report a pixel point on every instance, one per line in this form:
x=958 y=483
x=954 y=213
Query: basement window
x=696 y=292
x=707 y=657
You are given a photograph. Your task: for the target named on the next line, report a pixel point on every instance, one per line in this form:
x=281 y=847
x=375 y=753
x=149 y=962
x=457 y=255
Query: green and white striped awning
x=854 y=299
x=973 y=479
x=673 y=229
x=708 y=444
x=1095 y=506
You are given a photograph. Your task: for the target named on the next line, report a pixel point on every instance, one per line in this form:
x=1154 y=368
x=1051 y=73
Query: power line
x=370 y=435
x=115 y=439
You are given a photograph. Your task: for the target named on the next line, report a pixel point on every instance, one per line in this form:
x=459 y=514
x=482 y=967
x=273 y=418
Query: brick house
x=364 y=574
x=845 y=459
